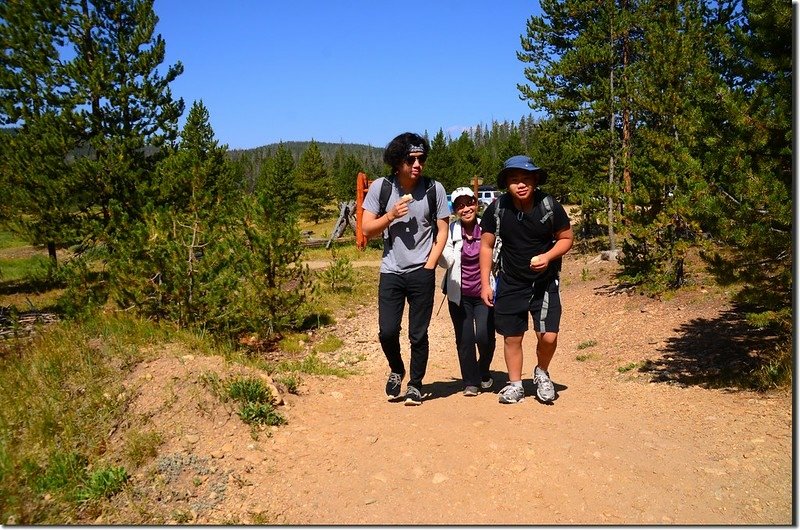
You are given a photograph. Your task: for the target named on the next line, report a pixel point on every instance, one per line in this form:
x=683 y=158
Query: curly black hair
x=397 y=150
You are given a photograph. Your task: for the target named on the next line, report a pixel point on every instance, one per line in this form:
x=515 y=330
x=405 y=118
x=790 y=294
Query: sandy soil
x=634 y=436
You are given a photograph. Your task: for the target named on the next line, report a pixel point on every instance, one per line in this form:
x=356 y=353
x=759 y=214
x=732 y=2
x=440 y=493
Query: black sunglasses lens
x=411 y=159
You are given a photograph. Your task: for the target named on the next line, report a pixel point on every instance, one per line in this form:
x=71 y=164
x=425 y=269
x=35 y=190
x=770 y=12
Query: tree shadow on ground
x=711 y=353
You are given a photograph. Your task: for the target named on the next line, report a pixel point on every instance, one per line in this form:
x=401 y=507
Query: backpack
x=545 y=206
x=430 y=193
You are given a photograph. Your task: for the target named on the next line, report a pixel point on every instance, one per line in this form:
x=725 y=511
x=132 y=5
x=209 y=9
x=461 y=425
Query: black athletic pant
x=417 y=288
x=473 y=323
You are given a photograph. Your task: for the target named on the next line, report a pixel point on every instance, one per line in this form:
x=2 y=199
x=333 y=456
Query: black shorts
x=514 y=301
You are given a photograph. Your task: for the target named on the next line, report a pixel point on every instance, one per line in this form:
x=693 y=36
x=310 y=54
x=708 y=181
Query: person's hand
x=400 y=208
x=539 y=263
x=487 y=295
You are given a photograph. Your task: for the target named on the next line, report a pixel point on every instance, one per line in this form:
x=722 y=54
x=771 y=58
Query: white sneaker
x=512 y=394
x=544 y=387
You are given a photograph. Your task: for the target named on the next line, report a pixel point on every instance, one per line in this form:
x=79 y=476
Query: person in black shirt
x=535 y=233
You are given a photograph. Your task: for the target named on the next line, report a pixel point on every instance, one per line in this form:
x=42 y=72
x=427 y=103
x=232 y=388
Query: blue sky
x=358 y=71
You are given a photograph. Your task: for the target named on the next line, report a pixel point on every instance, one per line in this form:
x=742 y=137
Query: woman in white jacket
x=473 y=321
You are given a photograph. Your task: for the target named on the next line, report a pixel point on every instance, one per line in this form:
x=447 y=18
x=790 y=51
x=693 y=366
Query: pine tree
x=124 y=110
x=198 y=176
x=344 y=170
x=314 y=185
x=277 y=188
x=276 y=284
x=34 y=173
x=675 y=86
x=579 y=56
x=465 y=161
x=440 y=163
x=172 y=263
x=751 y=201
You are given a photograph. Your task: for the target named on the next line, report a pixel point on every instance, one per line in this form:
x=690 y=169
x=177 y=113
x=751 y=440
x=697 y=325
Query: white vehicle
x=487 y=197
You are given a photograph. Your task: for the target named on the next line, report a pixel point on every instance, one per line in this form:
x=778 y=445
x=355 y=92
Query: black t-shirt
x=524 y=235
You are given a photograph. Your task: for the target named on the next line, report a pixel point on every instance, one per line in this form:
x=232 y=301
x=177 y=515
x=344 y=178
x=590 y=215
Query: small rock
x=192 y=438
x=337 y=395
x=438 y=478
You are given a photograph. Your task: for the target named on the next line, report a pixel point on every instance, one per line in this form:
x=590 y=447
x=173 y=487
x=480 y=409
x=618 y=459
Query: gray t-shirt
x=410 y=236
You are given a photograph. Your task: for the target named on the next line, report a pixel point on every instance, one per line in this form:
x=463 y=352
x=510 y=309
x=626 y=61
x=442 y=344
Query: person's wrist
x=388 y=216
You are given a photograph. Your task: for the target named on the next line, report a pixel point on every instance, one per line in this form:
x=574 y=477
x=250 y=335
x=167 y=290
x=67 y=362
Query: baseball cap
x=520 y=162
x=463 y=191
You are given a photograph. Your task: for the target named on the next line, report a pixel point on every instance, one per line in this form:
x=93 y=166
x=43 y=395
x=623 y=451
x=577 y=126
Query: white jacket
x=451 y=260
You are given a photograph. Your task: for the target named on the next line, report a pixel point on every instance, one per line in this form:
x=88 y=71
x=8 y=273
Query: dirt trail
x=616 y=447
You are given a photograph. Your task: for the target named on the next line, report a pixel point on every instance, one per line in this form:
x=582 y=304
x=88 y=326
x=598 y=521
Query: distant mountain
x=327 y=149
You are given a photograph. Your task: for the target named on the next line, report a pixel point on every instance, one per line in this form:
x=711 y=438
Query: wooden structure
x=346 y=218
x=362 y=185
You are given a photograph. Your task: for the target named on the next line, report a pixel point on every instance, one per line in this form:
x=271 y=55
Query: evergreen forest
x=668 y=124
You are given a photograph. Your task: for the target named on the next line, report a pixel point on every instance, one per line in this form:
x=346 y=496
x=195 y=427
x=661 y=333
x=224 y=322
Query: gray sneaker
x=544 y=387
x=413 y=396
x=486 y=385
x=470 y=390
x=393 y=385
x=511 y=394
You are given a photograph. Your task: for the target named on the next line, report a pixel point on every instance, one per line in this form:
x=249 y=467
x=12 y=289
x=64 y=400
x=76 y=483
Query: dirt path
x=616 y=447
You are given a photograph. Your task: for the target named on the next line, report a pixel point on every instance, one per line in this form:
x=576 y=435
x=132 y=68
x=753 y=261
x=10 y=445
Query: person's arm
x=447 y=258
x=372 y=225
x=438 y=245
x=564 y=240
x=485 y=261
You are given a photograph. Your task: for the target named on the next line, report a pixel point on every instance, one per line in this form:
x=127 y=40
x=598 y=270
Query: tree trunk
x=51 y=251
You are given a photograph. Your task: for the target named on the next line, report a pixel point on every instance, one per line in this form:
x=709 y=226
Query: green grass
x=103 y=483
x=256 y=402
x=328 y=344
x=9 y=239
x=141 y=446
x=348 y=251
x=587 y=344
x=290 y=381
x=628 y=367
x=63 y=389
x=16 y=269
x=313 y=365
x=293 y=342
x=67 y=396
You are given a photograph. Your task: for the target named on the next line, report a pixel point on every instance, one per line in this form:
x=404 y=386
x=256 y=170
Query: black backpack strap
x=499 y=210
x=430 y=192
x=386 y=192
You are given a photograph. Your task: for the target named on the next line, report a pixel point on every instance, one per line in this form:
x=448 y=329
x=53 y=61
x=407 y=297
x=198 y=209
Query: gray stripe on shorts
x=543 y=316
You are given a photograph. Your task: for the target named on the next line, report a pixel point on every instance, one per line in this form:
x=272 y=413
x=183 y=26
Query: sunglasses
x=410 y=159
x=466 y=202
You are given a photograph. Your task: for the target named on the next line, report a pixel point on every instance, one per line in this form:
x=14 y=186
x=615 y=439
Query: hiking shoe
x=511 y=394
x=470 y=391
x=413 y=396
x=544 y=387
x=393 y=385
x=486 y=385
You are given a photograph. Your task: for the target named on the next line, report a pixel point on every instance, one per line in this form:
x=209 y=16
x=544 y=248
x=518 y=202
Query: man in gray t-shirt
x=409 y=258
